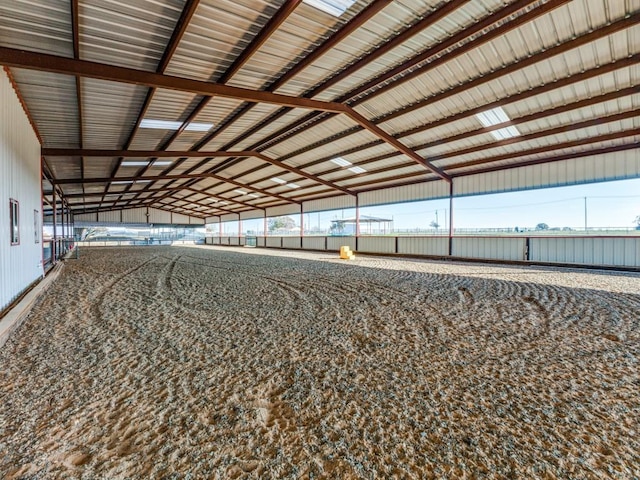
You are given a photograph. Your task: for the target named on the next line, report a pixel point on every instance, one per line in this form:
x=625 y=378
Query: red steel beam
x=178 y=32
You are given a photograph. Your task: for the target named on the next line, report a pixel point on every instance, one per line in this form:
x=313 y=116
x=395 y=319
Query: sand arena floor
x=177 y=362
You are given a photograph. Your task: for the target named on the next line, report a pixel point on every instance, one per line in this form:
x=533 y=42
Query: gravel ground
x=212 y=362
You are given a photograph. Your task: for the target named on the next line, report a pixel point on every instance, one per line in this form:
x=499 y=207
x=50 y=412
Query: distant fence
x=605 y=251
x=124 y=243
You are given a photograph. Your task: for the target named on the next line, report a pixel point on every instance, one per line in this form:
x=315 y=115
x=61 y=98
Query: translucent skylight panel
x=332 y=7
x=341 y=162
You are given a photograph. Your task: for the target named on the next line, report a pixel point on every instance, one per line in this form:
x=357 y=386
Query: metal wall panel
x=334 y=243
x=274 y=242
x=331 y=203
x=493 y=248
x=438 y=246
x=208 y=241
x=251 y=214
x=20 y=179
x=377 y=244
x=85 y=217
x=407 y=193
x=159 y=216
x=109 y=217
x=313 y=243
x=231 y=217
x=619 y=166
x=196 y=221
x=234 y=241
x=179 y=219
x=261 y=242
x=290 y=209
x=134 y=215
x=210 y=220
x=215 y=240
x=606 y=251
x=291 y=242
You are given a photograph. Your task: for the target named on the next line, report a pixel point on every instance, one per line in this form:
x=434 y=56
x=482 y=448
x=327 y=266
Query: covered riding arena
x=265 y=355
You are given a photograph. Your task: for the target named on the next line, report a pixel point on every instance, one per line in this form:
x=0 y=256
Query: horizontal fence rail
x=604 y=251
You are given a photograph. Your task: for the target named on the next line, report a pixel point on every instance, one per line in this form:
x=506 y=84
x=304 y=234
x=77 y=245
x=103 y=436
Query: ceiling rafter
x=67 y=152
x=351 y=26
x=499 y=16
x=76 y=54
x=523 y=95
x=502 y=157
x=515 y=121
x=619 y=64
x=264 y=34
x=472 y=83
x=180 y=28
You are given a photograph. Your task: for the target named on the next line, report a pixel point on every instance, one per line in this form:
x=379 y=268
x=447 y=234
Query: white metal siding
x=159 y=216
x=274 y=241
x=331 y=203
x=179 y=219
x=261 y=242
x=251 y=214
x=290 y=209
x=234 y=241
x=619 y=166
x=85 y=217
x=20 y=265
x=407 y=193
x=109 y=217
x=423 y=245
x=377 y=244
x=313 y=243
x=231 y=217
x=134 y=215
x=606 y=251
x=494 y=248
x=291 y=242
x=334 y=243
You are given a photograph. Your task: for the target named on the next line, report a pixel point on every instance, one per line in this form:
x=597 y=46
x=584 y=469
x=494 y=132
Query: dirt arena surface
x=213 y=362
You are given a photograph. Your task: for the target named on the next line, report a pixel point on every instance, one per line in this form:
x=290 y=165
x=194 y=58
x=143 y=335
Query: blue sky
x=609 y=204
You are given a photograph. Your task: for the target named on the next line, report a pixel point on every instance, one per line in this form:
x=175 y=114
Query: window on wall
x=36 y=226
x=14 y=219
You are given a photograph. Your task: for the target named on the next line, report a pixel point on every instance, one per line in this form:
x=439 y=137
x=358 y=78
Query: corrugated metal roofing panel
x=96 y=167
x=226 y=107
x=38 y=27
x=298 y=34
x=320 y=131
x=272 y=127
x=65 y=167
x=127 y=33
x=493 y=55
x=217 y=34
x=109 y=112
x=51 y=99
x=420 y=42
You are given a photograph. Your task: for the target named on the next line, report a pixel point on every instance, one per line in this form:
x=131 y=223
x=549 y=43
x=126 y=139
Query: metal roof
x=258 y=89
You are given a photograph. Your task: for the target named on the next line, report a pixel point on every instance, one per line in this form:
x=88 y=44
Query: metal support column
x=55 y=237
x=451 y=218
x=357 y=220
x=301 y=223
